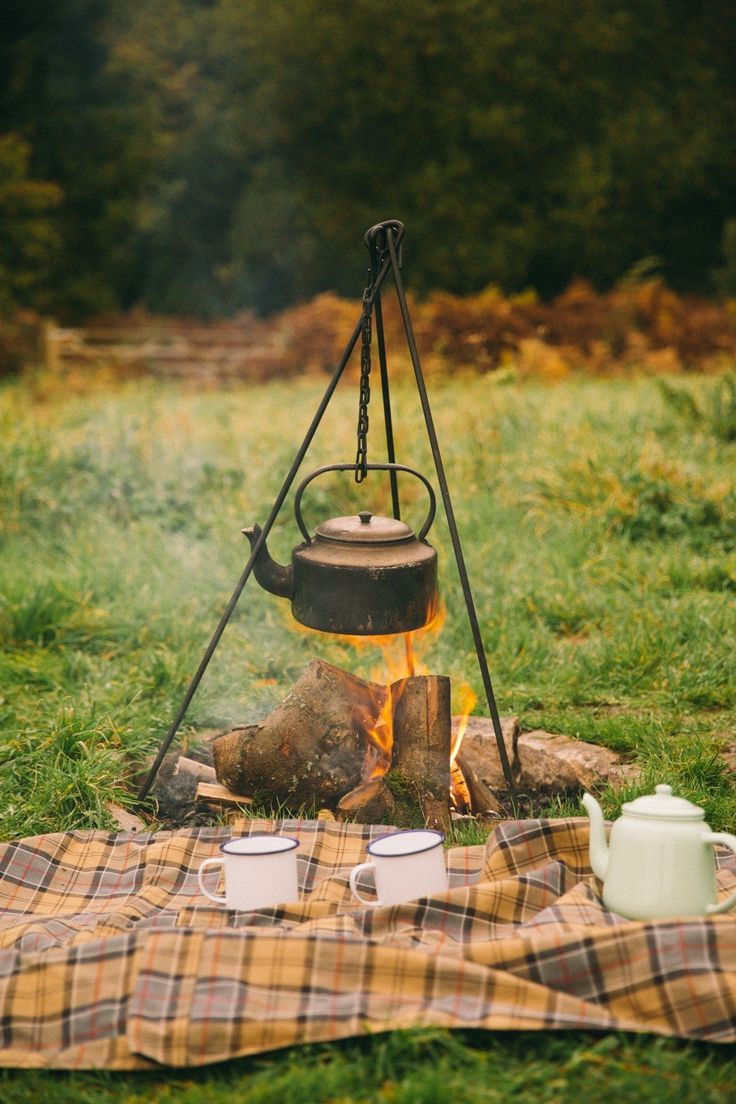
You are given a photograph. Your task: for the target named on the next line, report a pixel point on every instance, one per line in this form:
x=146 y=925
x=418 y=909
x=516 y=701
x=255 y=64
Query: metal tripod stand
x=384 y=241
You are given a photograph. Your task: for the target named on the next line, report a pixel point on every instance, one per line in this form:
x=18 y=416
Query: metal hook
x=371 y=238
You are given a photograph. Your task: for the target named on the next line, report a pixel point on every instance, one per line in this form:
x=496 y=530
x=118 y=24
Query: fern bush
x=714 y=413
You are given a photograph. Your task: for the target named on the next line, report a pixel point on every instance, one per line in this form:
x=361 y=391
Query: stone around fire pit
x=553 y=762
x=542 y=762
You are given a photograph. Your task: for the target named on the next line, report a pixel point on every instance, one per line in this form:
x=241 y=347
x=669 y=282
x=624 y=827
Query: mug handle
x=727 y=840
x=206 y=892
x=353 y=879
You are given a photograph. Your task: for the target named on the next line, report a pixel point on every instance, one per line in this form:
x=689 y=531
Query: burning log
x=422 y=741
x=312 y=748
x=480 y=762
x=373 y=754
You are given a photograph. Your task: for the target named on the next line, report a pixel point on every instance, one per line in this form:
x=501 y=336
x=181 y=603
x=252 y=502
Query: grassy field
x=599 y=519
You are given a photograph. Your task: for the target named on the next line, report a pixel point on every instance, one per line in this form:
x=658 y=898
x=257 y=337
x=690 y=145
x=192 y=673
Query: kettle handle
x=370 y=467
x=727 y=840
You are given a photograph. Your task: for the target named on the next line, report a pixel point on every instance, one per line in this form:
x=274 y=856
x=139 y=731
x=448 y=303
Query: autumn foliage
x=635 y=326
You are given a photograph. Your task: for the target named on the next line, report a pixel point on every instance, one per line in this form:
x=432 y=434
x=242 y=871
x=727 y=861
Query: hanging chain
x=379 y=255
x=361 y=457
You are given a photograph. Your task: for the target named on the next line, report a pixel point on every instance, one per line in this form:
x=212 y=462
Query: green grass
x=424 y=1066
x=599 y=522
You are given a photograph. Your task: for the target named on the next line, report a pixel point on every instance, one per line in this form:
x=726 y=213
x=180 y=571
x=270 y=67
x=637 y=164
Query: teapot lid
x=662 y=803
x=365 y=528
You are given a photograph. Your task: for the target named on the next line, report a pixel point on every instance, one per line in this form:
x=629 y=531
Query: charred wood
x=311 y=749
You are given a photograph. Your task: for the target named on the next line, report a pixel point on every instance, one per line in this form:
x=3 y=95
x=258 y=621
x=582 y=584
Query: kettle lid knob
x=365 y=516
x=666 y=791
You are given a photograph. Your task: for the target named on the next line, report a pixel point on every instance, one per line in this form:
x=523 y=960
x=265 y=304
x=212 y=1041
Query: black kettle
x=361 y=575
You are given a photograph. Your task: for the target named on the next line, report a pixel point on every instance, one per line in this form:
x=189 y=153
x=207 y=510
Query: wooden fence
x=242 y=349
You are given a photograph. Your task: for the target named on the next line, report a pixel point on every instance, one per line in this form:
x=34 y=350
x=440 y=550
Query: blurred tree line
x=208 y=155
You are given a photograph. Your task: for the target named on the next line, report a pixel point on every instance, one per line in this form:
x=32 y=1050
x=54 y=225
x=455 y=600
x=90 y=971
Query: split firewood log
x=199 y=772
x=370 y=803
x=212 y=793
x=420 y=765
x=311 y=749
x=226 y=751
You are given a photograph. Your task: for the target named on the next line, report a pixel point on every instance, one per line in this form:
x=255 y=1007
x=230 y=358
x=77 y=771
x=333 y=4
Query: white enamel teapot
x=660 y=860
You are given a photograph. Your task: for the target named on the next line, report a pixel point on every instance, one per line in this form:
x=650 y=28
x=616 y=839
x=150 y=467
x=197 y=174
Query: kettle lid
x=662 y=803
x=365 y=528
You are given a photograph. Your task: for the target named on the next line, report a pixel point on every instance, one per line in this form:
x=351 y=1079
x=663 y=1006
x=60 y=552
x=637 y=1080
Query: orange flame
x=401 y=658
x=381 y=739
x=468 y=699
x=460 y=793
x=400 y=652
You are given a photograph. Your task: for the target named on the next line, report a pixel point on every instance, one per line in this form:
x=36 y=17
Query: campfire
x=379 y=750
x=385 y=749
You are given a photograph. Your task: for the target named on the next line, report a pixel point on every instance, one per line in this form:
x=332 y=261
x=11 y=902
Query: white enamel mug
x=260 y=871
x=406 y=865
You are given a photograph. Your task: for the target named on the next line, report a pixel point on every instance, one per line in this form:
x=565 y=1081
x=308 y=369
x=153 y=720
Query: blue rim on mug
x=403 y=833
x=289 y=841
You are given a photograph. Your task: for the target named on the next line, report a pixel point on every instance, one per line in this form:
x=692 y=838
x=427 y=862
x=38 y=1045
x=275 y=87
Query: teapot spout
x=598 y=842
x=272 y=576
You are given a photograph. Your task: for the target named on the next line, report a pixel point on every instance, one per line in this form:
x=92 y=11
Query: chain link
x=361 y=457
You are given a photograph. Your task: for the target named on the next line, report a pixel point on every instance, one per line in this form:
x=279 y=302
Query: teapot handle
x=370 y=467
x=726 y=840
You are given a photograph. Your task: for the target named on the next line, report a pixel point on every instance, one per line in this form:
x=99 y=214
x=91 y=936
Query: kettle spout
x=272 y=576
x=598 y=843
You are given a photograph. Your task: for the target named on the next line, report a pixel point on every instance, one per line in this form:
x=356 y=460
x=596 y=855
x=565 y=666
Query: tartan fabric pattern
x=111 y=957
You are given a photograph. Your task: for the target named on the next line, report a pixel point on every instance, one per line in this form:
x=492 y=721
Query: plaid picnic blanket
x=111 y=957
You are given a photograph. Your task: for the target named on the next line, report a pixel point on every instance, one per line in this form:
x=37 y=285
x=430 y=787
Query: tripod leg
x=390 y=451
x=204 y=663
x=450 y=514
